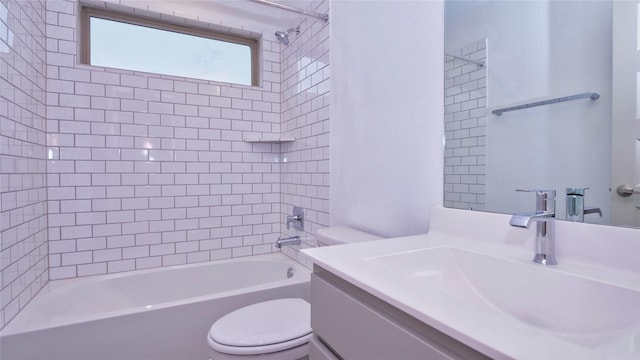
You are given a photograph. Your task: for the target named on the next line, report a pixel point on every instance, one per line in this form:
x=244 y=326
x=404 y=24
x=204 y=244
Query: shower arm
x=323 y=17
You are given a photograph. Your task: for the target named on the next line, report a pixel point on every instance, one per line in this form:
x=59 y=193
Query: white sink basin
x=582 y=310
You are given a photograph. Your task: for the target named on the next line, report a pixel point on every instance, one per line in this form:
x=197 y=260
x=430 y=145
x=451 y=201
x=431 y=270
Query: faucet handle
x=297 y=218
x=545 y=199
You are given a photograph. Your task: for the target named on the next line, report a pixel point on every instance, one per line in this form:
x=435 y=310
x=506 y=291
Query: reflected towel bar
x=477 y=62
x=591 y=95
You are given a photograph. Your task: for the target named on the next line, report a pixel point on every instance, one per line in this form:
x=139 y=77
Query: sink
x=580 y=309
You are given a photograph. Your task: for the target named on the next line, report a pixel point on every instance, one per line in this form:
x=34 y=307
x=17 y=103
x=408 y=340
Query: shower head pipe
x=323 y=17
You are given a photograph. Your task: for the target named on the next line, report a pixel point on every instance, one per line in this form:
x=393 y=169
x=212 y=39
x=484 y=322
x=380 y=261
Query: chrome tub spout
x=294 y=240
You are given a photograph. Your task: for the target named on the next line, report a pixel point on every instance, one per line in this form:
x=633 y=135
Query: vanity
x=469 y=290
x=343 y=316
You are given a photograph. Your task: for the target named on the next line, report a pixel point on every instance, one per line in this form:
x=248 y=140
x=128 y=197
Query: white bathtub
x=151 y=314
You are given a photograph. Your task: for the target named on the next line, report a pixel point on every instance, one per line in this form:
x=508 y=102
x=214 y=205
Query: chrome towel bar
x=591 y=95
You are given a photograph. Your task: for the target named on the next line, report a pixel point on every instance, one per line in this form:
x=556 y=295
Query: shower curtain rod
x=323 y=17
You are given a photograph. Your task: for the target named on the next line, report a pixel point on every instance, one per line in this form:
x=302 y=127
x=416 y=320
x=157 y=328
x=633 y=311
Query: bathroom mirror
x=542 y=95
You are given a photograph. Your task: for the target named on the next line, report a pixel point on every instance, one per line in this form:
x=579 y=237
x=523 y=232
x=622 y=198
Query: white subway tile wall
x=147 y=170
x=306 y=88
x=23 y=195
x=465 y=129
x=106 y=170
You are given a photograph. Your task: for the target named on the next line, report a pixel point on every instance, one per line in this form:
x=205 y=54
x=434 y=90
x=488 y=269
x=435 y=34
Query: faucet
x=294 y=240
x=544 y=217
x=575 y=205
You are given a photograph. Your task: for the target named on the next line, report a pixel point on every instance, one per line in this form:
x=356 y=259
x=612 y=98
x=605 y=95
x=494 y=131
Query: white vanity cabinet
x=349 y=323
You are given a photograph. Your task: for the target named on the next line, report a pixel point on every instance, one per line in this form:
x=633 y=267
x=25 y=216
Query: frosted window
x=127 y=46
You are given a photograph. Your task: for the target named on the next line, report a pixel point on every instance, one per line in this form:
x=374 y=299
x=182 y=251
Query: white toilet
x=276 y=329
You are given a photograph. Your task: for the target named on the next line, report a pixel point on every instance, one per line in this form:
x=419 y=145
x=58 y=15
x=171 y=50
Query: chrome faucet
x=575 y=205
x=544 y=217
x=294 y=240
x=297 y=219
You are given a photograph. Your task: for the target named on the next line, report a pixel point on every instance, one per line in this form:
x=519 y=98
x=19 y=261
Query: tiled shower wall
x=305 y=116
x=23 y=221
x=465 y=128
x=148 y=170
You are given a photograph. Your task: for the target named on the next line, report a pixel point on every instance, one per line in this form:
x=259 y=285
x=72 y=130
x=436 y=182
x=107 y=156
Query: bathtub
x=149 y=314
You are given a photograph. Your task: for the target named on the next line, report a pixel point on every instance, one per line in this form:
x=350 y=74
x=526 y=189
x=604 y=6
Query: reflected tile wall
x=23 y=236
x=465 y=129
x=147 y=170
x=306 y=84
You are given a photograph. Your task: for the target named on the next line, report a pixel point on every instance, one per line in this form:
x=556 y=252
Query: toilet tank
x=342 y=235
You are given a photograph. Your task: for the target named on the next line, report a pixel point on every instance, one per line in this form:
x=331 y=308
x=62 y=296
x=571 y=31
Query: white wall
x=541 y=50
x=386 y=114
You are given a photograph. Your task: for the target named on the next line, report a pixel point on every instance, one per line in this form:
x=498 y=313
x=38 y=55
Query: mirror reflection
x=543 y=95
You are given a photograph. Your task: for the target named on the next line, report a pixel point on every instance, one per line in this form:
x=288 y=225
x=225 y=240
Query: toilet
x=276 y=329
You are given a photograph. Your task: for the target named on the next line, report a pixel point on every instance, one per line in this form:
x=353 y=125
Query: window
x=126 y=42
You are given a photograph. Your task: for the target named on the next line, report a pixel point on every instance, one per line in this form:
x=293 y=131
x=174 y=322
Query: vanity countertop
x=503 y=325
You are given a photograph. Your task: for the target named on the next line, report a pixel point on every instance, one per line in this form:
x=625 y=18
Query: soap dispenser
x=575 y=205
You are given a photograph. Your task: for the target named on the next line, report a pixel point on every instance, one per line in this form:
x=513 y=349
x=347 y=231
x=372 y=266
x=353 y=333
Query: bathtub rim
x=23 y=323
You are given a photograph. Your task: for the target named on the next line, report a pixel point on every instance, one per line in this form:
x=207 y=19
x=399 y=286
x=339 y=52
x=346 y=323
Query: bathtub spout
x=294 y=240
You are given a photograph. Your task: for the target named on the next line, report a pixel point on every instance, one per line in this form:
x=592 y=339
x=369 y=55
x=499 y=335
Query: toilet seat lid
x=264 y=323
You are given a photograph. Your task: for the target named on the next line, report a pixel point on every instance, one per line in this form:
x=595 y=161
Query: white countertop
x=490 y=331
